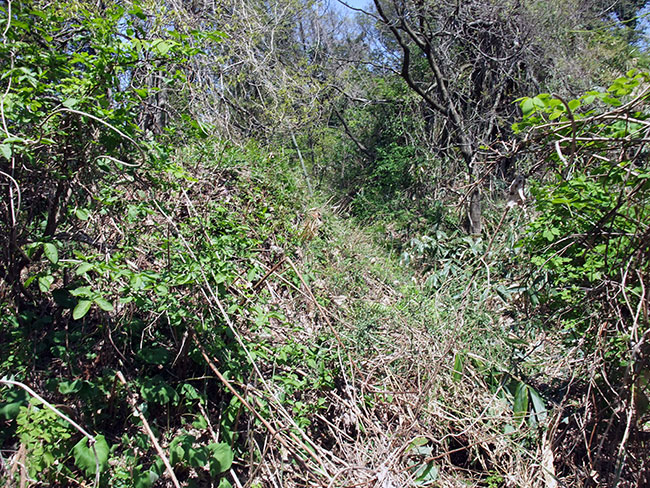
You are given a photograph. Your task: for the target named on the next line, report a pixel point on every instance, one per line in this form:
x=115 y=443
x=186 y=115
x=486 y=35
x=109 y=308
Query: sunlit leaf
x=51 y=252
x=81 y=309
x=84 y=457
x=45 y=282
x=520 y=404
x=104 y=304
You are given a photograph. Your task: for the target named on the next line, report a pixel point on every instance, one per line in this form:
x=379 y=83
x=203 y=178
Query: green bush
x=587 y=250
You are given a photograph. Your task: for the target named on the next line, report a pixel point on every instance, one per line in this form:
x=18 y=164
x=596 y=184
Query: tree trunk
x=474 y=213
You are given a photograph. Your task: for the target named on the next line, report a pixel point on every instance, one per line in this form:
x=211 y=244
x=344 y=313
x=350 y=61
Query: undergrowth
x=256 y=352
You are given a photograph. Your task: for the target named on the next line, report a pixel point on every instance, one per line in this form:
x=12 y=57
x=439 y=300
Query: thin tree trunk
x=474 y=213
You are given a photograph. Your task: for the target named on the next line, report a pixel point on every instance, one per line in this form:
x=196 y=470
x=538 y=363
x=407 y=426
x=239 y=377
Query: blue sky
x=354 y=3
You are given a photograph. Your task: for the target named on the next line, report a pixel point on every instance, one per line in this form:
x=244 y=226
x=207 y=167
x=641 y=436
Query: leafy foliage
x=163 y=283
x=588 y=242
x=115 y=246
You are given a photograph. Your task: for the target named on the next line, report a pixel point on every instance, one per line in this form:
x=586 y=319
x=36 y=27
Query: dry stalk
x=148 y=431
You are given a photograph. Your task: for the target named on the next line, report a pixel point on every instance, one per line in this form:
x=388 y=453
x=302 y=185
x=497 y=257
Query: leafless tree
x=465 y=60
x=468 y=61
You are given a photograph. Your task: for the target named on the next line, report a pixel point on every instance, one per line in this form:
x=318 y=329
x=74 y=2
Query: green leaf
x=83 y=269
x=588 y=99
x=51 y=252
x=162 y=47
x=222 y=457
x=418 y=442
x=5 y=150
x=45 y=282
x=574 y=104
x=538 y=102
x=527 y=106
x=15 y=399
x=70 y=102
x=81 y=309
x=82 y=291
x=426 y=474
x=154 y=355
x=176 y=453
x=146 y=479
x=197 y=457
x=84 y=457
x=614 y=102
x=82 y=214
x=520 y=404
x=539 y=409
x=138 y=12
x=458 y=367
x=104 y=304
x=156 y=390
x=188 y=391
x=67 y=387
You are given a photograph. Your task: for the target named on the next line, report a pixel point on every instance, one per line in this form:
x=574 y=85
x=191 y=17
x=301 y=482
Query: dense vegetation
x=287 y=243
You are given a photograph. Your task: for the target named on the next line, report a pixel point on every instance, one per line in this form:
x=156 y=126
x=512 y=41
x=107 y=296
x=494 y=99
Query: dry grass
x=398 y=405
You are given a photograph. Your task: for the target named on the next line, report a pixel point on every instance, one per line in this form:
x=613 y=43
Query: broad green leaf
x=84 y=457
x=539 y=409
x=222 y=457
x=614 y=102
x=45 y=282
x=83 y=269
x=70 y=102
x=15 y=399
x=163 y=47
x=588 y=99
x=527 y=106
x=51 y=252
x=426 y=474
x=5 y=150
x=82 y=214
x=81 y=309
x=104 y=304
x=82 y=291
x=197 y=457
x=520 y=404
x=187 y=390
x=200 y=423
x=154 y=355
x=146 y=479
x=176 y=453
x=538 y=102
x=156 y=390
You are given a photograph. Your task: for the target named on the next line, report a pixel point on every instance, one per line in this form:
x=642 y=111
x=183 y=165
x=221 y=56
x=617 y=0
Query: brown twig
x=148 y=431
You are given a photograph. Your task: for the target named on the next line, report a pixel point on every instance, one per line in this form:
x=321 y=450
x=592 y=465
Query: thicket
x=185 y=302
x=126 y=253
x=588 y=245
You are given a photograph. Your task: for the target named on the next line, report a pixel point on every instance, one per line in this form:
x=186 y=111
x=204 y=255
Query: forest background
x=289 y=243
